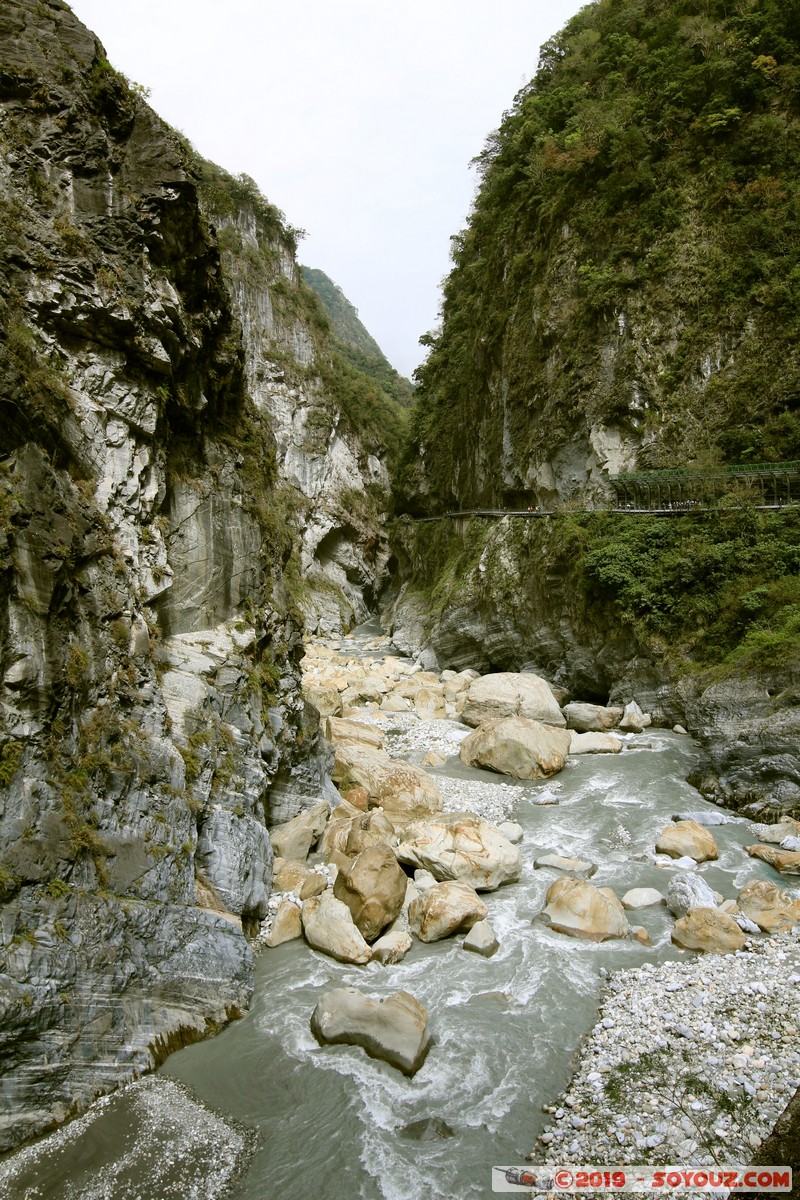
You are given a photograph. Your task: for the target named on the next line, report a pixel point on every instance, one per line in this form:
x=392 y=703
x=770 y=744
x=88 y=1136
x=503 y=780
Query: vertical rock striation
x=151 y=719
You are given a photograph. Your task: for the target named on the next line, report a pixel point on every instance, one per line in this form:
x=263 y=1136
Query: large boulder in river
x=294 y=838
x=708 y=930
x=594 y=743
x=591 y=718
x=447 y=908
x=329 y=927
x=517 y=746
x=403 y=791
x=511 y=694
x=373 y=887
x=770 y=907
x=785 y=861
x=687 y=839
x=393 y=1029
x=350 y=831
x=687 y=891
x=461 y=846
x=582 y=910
x=338 y=730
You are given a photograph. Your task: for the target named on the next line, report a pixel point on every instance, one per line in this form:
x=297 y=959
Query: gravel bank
x=688 y=1062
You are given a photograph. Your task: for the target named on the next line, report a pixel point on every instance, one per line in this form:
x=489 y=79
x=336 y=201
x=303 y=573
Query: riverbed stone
x=447 y=908
x=687 y=838
x=512 y=830
x=594 y=743
x=634 y=720
x=517 y=746
x=392 y=947
x=373 y=887
x=591 y=718
x=481 y=939
x=294 y=876
x=706 y=818
x=686 y=891
x=775 y=834
x=511 y=694
x=772 y=908
x=287 y=923
x=329 y=927
x=393 y=1028
x=339 y=730
x=326 y=699
x=294 y=839
x=785 y=861
x=577 y=867
x=579 y=909
x=461 y=846
x=642 y=898
x=708 y=930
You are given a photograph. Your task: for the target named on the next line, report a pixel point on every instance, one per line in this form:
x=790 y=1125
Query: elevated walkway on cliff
x=677 y=492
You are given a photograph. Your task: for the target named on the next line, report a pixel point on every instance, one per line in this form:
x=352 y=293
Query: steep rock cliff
x=625 y=288
x=336 y=429
x=624 y=297
x=152 y=723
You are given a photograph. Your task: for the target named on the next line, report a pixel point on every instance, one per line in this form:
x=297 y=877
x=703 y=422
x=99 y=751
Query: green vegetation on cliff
x=355 y=342
x=633 y=257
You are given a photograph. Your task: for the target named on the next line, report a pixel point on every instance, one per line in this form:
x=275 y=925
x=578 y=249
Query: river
x=331 y=1122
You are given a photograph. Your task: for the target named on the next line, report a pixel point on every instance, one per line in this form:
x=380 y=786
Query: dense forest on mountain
x=645 y=183
x=355 y=341
x=632 y=267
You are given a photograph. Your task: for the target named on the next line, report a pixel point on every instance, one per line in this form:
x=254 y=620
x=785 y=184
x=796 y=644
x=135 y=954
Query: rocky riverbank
x=689 y=1062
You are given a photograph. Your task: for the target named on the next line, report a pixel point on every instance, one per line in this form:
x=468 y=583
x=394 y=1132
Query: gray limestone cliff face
x=149 y=649
x=335 y=477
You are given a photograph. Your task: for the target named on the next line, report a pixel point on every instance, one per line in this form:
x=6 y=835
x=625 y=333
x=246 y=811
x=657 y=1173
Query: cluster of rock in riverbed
x=343 y=876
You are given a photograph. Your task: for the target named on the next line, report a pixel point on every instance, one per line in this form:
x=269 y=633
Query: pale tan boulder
x=372 y=829
x=481 y=939
x=338 y=730
x=287 y=924
x=582 y=910
x=405 y=792
x=294 y=839
x=433 y=759
x=429 y=704
x=294 y=876
x=772 y=909
x=591 y=718
x=708 y=930
x=785 y=861
x=642 y=898
x=640 y=933
x=594 y=743
x=461 y=846
x=511 y=694
x=393 y=1029
x=445 y=909
x=634 y=720
x=687 y=838
x=775 y=834
x=392 y=947
x=577 y=867
x=329 y=927
x=359 y=798
x=373 y=887
x=325 y=699
x=517 y=746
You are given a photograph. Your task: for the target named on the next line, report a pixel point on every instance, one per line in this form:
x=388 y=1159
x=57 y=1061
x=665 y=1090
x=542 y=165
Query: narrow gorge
x=308 y=671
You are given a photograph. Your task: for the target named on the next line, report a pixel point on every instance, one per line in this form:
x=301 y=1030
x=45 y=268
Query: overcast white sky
x=358 y=118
